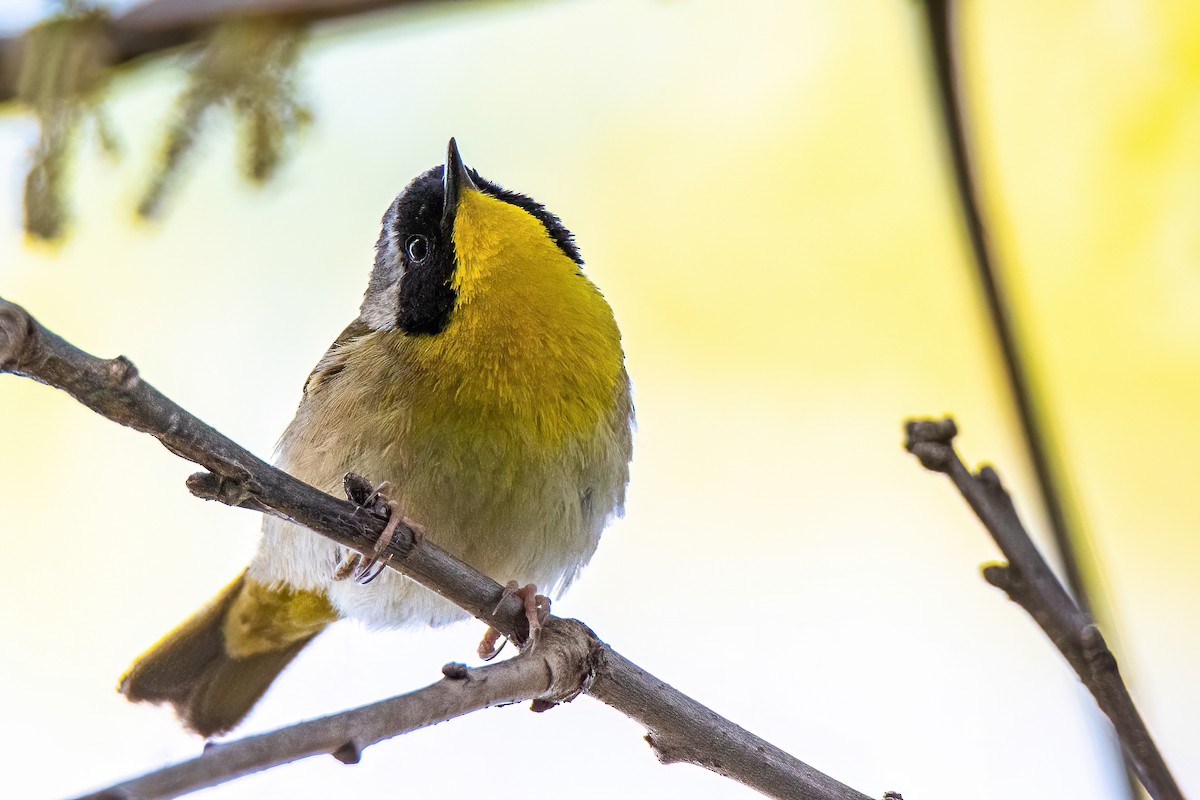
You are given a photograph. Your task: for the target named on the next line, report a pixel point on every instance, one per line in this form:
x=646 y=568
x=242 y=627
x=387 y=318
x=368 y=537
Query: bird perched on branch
x=484 y=383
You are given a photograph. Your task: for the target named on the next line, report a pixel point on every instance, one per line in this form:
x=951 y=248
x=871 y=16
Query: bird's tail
x=215 y=666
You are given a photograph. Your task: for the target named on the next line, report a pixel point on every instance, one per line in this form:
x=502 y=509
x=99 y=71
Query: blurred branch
x=1071 y=545
x=545 y=672
x=938 y=17
x=61 y=78
x=246 y=62
x=680 y=729
x=157 y=25
x=247 y=65
x=1029 y=581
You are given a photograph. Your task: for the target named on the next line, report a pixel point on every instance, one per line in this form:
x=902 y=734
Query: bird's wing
x=334 y=360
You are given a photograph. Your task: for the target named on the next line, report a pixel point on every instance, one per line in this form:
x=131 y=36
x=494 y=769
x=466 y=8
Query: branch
x=1071 y=544
x=1016 y=370
x=158 y=25
x=1029 y=582
x=680 y=729
x=543 y=673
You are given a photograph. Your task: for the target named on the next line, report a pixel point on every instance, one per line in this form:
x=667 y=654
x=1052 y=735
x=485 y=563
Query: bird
x=483 y=386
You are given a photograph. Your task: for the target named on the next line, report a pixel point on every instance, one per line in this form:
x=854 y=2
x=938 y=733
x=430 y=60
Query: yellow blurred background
x=760 y=191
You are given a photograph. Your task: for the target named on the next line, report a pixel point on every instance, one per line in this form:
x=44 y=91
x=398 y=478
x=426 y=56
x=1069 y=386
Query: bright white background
x=760 y=195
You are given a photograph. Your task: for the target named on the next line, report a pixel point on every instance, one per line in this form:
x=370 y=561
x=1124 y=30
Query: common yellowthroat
x=484 y=381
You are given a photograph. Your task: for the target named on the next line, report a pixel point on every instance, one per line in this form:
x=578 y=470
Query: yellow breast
x=531 y=344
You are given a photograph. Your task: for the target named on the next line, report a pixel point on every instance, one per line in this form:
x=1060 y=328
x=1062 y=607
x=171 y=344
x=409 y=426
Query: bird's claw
x=537 y=609
x=366 y=569
x=488 y=647
x=346 y=564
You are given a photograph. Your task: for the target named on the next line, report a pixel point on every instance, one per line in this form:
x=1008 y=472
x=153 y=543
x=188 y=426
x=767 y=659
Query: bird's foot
x=537 y=609
x=353 y=564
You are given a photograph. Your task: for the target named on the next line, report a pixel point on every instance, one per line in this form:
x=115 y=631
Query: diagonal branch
x=542 y=673
x=1029 y=581
x=680 y=729
x=113 y=388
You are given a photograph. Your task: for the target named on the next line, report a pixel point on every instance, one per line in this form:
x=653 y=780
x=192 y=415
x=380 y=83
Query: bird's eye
x=416 y=247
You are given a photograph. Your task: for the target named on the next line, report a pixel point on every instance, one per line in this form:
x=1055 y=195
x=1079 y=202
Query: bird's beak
x=455 y=180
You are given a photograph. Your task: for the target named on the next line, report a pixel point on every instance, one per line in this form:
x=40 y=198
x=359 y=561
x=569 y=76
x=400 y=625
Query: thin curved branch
x=1029 y=581
x=1070 y=540
x=680 y=729
x=939 y=18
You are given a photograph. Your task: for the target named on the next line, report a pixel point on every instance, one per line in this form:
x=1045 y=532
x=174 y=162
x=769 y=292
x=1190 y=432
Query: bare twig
x=680 y=729
x=1029 y=581
x=545 y=673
